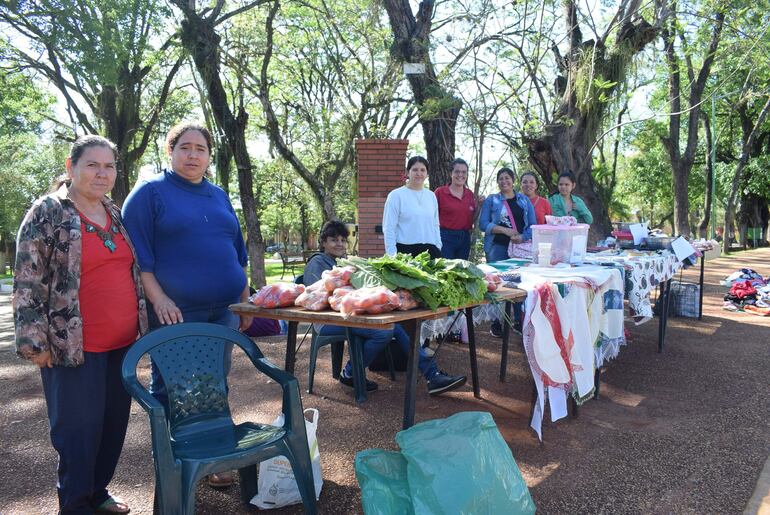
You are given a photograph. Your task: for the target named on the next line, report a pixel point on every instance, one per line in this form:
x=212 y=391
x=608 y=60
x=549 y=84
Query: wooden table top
x=381 y=321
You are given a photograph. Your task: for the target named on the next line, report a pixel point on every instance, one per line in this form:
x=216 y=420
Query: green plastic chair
x=197 y=436
x=356 y=360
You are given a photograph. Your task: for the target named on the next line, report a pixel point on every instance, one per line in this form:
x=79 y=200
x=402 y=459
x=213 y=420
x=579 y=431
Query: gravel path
x=685 y=431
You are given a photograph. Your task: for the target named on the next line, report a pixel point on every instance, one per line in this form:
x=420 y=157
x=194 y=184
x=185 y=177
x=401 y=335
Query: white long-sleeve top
x=410 y=217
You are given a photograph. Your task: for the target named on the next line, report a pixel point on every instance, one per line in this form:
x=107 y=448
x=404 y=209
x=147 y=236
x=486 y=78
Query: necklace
x=105 y=236
x=420 y=195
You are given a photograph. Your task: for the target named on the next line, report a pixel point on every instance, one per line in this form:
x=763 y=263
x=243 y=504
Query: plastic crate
x=568 y=242
x=685 y=298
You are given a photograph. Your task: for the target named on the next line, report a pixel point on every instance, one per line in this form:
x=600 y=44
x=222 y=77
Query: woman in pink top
x=529 y=185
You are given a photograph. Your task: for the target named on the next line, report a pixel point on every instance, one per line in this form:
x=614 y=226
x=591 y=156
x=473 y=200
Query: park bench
x=289 y=261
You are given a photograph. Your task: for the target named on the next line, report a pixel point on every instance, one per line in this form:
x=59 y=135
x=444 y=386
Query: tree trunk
x=438 y=109
x=200 y=39
x=564 y=147
x=222 y=161
x=682 y=162
x=709 y=196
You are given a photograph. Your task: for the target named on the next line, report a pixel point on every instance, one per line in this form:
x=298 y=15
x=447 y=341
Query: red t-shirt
x=107 y=293
x=454 y=213
x=542 y=208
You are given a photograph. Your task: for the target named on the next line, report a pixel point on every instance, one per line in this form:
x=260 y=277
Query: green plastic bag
x=462 y=465
x=382 y=478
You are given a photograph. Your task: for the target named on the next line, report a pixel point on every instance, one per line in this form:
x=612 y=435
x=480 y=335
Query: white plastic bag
x=276 y=486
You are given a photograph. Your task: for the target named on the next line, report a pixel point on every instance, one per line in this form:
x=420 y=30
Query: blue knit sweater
x=189 y=237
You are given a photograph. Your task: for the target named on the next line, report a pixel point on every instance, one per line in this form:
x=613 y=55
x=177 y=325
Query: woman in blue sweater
x=189 y=245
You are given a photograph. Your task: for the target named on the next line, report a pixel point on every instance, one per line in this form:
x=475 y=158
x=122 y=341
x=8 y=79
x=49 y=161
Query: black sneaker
x=496 y=330
x=348 y=381
x=516 y=327
x=442 y=382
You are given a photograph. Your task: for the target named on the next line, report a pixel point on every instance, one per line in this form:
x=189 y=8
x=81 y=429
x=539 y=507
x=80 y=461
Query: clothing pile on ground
x=748 y=292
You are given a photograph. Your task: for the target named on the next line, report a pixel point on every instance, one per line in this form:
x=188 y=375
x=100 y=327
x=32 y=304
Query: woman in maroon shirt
x=456 y=212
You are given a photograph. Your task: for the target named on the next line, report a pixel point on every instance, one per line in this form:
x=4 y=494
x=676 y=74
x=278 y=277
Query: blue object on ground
x=384 y=486
x=457 y=465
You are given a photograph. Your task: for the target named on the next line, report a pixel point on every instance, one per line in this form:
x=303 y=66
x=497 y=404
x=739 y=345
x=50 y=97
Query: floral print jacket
x=46 y=307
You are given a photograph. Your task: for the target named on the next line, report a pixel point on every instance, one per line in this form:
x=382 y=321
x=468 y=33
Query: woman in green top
x=565 y=203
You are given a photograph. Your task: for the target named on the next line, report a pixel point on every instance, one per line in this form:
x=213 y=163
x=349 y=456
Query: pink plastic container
x=568 y=242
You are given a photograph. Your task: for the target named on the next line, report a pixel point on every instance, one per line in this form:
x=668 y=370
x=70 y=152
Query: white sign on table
x=682 y=248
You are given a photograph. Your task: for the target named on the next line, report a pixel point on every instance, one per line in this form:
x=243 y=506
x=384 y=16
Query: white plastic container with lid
x=568 y=242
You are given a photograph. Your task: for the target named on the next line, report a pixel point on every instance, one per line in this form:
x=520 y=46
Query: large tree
x=673 y=31
x=324 y=74
x=104 y=59
x=201 y=39
x=751 y=133
x=590 y=71
x=438 y=108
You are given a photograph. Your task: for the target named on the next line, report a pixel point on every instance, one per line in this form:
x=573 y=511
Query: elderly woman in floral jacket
x=78 y=305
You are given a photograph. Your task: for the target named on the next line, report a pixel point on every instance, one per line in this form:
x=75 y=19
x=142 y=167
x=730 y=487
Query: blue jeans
x=88 y=410
x=455 y=244
x=219 y=316
x=497 y=253
x=375 y=341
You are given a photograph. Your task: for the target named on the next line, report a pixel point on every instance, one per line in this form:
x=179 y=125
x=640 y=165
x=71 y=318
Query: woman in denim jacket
x=494 y=219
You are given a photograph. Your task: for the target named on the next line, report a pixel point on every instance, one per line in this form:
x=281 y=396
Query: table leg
x=597 y=381
x=472 y=351
x=412 y=328
x=664 y=305
x=291 y=347
x=668 y=306
x=506 y=338
x=700 y=303
x=356 y=360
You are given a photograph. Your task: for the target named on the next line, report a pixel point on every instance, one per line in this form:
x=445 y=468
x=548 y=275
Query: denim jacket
x=490 y=214
x=46 y=307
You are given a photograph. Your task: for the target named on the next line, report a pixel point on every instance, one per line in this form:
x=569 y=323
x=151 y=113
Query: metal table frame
x=409 y=319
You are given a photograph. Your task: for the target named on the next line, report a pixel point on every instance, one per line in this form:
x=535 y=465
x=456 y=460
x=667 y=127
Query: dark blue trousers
x=219 y=316
x=88 y=411
x=455 y=244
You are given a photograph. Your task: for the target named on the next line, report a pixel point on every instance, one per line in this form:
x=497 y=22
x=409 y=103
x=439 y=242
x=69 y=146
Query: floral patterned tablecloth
x=642 y=275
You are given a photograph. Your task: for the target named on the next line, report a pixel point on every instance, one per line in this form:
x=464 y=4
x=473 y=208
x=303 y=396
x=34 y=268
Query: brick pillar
x=381 y=165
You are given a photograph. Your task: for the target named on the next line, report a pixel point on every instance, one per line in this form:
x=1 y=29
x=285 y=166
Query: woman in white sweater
x=410 y=220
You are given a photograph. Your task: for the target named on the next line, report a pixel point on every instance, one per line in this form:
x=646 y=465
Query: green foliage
x=23 y=104
x=288 y=213
x=27 y=167
x=645 y=182
x=757 y=178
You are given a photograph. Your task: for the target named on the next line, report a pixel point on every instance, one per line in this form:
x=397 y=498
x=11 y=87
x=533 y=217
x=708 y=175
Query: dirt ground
x=685 y=431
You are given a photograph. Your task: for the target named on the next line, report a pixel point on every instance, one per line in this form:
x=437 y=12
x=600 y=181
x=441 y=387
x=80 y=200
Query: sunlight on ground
x=536 y=475
x=620 y=396
x=15 y=370
x=506 y=403
x=27 y=406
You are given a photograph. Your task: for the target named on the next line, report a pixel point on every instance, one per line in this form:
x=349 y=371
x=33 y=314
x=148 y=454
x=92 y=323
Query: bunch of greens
x=432 y=282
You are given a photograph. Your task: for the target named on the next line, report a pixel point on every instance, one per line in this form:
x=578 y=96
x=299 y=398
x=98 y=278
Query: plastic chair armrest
x=158 y=422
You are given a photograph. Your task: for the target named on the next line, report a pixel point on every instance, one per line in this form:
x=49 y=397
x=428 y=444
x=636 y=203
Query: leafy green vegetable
x=433 y=282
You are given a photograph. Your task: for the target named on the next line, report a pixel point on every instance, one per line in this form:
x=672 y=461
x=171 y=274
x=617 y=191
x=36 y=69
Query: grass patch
x=273 y=273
